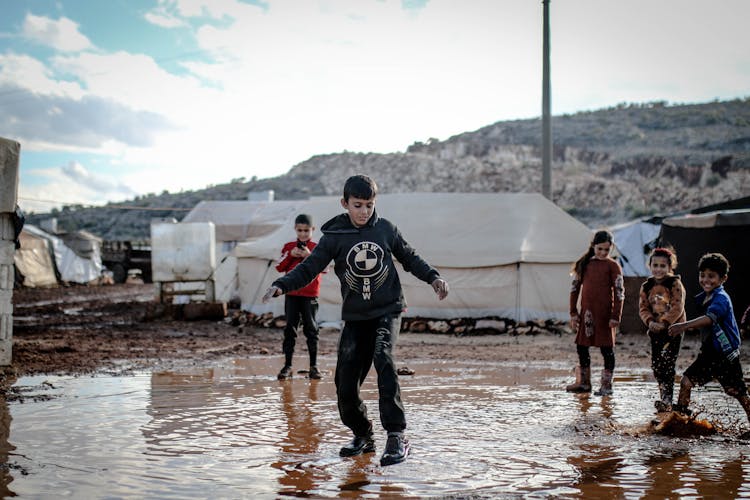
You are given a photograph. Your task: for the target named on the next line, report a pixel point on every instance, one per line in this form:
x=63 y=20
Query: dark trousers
x=300 y=310
x=664 y=352
x=584 y=357
x=362 y=344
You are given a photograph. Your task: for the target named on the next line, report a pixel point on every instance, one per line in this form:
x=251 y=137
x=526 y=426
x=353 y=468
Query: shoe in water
x=285 y=373
x=358 y=445
x=662 y=406
x=678 y=408
x=396 y=450
x=314 y=373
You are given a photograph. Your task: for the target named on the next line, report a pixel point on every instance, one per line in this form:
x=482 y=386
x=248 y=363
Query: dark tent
x=726 y=232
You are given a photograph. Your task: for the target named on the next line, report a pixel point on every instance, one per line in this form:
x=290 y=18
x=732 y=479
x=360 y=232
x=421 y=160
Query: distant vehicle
x=122 y=256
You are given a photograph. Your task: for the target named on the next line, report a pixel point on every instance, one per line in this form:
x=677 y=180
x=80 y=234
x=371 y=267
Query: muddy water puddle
x=480 y=430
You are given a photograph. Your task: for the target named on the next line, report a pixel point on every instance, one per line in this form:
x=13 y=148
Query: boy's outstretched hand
x=441 y=288
x=677 y=329
x=273 y=291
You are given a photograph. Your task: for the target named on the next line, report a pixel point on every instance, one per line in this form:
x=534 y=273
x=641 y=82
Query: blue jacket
x=723 y=332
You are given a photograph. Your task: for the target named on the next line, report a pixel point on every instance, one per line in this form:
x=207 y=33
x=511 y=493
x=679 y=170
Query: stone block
x=6 y=339
x=6 y=303
x=6 y=278
x=7 y=231
x=7 y=251
x=9 y=155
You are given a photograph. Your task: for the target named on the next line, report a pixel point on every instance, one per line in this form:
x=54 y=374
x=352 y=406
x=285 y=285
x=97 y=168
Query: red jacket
x=287 y=263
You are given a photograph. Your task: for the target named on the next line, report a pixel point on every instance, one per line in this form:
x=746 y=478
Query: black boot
x=664 y=403
x=358 y=445
x=285 y=373
x=396 y=449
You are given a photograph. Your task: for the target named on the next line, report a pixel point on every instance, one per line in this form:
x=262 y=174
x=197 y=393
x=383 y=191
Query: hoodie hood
x=343 y=224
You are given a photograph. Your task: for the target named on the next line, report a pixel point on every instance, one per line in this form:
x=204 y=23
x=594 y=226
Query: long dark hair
x=599 y=237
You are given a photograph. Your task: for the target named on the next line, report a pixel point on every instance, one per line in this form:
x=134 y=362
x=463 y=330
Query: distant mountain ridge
x=609 y=166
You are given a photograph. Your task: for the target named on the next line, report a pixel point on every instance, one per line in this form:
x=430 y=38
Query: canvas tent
x=34 y=259
x=726 y=232
x=234 y=222
x=634 y=241
x=506 y=255
x=64 y=262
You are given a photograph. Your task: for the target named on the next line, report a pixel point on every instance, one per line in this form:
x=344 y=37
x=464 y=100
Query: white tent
x=33 y=260
x=73 y=268
x=632 y=240
x=506 y=255
x=234 y=222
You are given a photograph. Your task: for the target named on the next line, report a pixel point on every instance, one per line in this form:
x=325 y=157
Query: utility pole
x=546 y=119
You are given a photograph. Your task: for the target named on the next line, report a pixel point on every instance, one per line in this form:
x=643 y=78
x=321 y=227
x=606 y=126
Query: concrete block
x=7 y=277
x=6 y=304
x=10 y=152
x=7 y=251
x=7 y=231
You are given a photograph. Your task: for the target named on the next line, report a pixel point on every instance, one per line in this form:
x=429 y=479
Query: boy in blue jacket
x=362 y=246
x=719 y=357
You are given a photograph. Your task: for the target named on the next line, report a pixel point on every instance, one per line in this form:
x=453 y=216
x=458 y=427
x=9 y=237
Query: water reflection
x=302 y=439
x=234 y=431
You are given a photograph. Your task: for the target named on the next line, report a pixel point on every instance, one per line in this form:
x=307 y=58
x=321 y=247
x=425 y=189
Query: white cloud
x=32 y=75
x=62 y=35
x=163 y=19
x=70 y=184
x=296 y=78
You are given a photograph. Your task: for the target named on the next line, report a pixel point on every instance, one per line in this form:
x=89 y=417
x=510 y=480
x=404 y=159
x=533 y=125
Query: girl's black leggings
x=584 y=358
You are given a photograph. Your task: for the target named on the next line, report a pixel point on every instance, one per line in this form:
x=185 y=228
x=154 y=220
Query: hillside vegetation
x=609 y=166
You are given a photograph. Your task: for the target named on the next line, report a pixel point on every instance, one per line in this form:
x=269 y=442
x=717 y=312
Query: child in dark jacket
x=300 y=306
x=719 y=357
x=362 y=246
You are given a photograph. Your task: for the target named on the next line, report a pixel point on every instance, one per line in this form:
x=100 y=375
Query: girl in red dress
x=598 y=283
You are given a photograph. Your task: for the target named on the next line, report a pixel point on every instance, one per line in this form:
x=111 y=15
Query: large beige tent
x=505 y=255
x=234 y=222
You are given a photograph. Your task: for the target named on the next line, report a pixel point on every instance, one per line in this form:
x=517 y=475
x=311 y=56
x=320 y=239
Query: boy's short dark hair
x=303 y=219
x=715 y=262
x=360 y=186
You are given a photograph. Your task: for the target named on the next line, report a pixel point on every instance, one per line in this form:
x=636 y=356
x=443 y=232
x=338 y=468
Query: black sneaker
x=358 y=445
x=285 y=373
x=314 y=373
x=396 y=450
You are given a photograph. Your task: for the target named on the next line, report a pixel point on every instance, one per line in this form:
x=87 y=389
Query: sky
x=115 y=99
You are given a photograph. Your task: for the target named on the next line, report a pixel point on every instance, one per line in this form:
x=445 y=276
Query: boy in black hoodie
x=362 y=246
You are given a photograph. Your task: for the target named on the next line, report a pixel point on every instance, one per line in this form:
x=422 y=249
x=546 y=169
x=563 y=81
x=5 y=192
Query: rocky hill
x=609 y=166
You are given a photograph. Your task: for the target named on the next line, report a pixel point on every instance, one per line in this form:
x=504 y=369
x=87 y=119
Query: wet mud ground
x=190 y=409
x=77 y=330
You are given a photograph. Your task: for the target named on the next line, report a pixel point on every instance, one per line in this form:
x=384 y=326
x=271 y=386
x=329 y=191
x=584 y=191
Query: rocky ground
x=106 y=329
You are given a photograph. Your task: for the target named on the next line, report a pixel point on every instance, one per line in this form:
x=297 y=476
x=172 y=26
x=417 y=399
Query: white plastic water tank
x=183 y=251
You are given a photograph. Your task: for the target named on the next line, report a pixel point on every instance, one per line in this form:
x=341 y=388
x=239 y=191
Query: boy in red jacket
x=301 y=305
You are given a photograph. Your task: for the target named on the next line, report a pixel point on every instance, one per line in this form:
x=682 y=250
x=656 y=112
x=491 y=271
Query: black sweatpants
x=300 y=310
x=362 y=344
